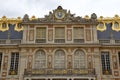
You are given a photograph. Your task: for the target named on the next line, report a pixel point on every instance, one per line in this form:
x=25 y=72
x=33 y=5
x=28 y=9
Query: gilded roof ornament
x=86 y=17
x=33 y=18
x=116 y=26
x=18 y=27
x=101 y=26
x=4 y=27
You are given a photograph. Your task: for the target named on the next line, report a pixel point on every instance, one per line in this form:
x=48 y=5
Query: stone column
x=95 y=34
x=97 y=65
x=22 y=65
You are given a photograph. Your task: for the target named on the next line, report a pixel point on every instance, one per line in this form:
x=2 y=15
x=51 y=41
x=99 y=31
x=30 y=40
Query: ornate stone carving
x=61 y=15
x=26 y=18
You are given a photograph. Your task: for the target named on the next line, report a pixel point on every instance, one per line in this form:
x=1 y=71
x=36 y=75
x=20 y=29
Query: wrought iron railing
x=107 y=72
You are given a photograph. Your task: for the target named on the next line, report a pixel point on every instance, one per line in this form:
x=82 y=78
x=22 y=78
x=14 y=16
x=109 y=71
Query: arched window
x=40 y=59
x=79 y=59
x=59 y=61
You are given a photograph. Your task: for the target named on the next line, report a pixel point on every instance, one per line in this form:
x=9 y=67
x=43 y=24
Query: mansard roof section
x=108 y=28
x=61 y=15
x=11 y=28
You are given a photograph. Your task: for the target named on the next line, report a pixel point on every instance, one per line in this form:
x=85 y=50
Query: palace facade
x=60 y=46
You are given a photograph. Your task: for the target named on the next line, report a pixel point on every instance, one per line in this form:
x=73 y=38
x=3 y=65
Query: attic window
x=116 y=25
x=4 y=25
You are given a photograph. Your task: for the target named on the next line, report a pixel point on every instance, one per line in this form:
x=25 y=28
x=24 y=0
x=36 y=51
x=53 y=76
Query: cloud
x=39 y=8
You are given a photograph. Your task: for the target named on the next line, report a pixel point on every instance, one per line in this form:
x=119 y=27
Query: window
x=0 y=61
x=40 y=60
x=78 y=34
x=41 y=35
x=59 y=60
x=59 y=35
x=119 y=57
x=14 y=63
x=79 y=59
x=105 y=59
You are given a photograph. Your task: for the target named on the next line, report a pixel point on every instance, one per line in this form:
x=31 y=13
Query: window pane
x=40 y=32
x=60 y=33
x=78 y=32
x=79 y=59
x=105 y=59
x=59 y=59
x=40 y=60
x=14 y=63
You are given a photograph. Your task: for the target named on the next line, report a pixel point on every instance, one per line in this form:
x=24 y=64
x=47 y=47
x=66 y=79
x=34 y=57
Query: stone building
x=60 y=46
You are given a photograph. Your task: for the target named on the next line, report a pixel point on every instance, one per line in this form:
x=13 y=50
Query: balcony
x=60 y=72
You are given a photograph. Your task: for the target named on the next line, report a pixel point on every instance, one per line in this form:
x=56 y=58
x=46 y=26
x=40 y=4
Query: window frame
x=60 y=60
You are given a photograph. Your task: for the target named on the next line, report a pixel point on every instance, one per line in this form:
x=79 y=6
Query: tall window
x=78 y=34
x=105 y=59
x=59 y=60
x=119 y=57
x=14 y=63
x=59 y=35
x=0 y=60
x=79 y=59
x=40 y=60
x=40 y=34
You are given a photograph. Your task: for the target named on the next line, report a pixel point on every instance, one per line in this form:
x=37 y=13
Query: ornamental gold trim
x=101 y=26
x=4 y=28
x=18 y=27
x=115 y=27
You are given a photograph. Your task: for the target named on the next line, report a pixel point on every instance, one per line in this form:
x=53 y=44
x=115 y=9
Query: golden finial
x=33 y=17
x=101 y=17
x=4 y=18
x=19 y=18
x=86 y=17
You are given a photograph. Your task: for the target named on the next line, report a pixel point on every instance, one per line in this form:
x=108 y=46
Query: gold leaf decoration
x=4 y=27
x=101 y=26
x=18 y=27
x=116 y=26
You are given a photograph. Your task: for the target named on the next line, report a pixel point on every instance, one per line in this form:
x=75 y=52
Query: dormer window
x=4 y=25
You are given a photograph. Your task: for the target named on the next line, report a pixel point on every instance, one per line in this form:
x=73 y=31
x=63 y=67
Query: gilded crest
x=4 y=27
x=18 y=27
x=101 y=26
x=116 y=26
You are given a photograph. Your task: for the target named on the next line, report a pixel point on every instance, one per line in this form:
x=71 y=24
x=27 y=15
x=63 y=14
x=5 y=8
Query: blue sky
x=39 y=8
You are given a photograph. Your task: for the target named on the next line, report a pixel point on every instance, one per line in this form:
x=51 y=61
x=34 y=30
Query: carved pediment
x=61 y=15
